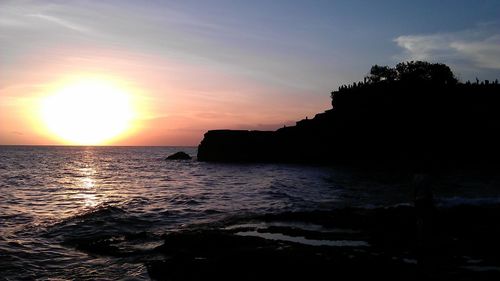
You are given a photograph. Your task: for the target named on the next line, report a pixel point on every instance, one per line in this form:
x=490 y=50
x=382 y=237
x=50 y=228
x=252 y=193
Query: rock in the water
x=179 y=156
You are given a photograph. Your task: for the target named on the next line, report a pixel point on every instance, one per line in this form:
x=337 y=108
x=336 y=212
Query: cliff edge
x=415 y=115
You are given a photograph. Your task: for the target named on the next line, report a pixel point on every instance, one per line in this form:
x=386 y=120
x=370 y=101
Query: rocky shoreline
x=282 y=246
x=344 y=244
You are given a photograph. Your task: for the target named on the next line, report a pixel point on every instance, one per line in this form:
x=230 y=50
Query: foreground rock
x=349 y=244
x=179 y=156
x=343 y=244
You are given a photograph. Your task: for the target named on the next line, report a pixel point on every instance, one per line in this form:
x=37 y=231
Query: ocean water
x=53 y=196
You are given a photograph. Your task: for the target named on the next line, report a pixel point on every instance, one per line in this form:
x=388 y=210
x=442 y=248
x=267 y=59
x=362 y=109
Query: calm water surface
x=50 y=196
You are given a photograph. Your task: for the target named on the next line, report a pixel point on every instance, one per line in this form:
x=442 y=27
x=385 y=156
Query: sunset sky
x=176 y=69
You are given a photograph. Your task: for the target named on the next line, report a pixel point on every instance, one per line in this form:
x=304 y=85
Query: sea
x=51 y=196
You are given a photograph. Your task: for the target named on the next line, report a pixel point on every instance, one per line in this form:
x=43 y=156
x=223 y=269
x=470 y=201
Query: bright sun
x=87 y=112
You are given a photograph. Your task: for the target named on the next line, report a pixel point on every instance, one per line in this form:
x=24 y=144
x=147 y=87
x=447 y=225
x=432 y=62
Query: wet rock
x=179 y=156
x=217 y=254
x=463 y=247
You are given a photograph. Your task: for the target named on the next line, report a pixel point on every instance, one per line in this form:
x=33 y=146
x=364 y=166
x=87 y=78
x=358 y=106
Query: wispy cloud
x=485 y=53
x=226 y=43
x=476 y=48
x=29 y=15
x=424 y=47
x=61 y=22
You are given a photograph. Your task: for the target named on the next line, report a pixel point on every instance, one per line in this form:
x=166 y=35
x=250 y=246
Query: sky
x=193 y=66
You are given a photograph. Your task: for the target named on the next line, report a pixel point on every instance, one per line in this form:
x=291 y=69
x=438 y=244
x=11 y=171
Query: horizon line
x=76 y=145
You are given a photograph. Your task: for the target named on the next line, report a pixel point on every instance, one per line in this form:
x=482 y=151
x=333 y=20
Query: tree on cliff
x=379 y=73
x=416 y=71
x=413 y=71
x=411 y=75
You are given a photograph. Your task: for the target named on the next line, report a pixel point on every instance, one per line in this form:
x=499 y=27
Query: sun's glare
x=87 y=112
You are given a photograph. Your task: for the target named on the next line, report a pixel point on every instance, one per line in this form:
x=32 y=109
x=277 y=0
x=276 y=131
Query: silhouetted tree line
x=413 y=72
x=416 y=115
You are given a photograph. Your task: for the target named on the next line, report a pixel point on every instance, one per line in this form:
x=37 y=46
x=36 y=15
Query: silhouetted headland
x=415 y=114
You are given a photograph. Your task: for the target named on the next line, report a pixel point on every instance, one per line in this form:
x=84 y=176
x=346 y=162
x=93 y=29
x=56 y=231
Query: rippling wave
x=59 y=205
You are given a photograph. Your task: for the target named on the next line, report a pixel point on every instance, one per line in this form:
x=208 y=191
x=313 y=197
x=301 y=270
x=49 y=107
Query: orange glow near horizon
x=111 y=97
x=87 y=111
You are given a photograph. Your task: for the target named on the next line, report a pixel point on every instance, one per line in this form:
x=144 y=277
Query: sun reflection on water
x=87 y=194
x=88 y=199
x=87 y=182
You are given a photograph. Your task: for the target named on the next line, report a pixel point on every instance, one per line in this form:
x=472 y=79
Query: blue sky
x=258 y=63
x=353 y=35
x=341 y=37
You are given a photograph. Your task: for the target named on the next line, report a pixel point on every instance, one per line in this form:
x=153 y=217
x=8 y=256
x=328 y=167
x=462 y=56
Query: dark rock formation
x=179 y=156
x=399 y=123
x=305 y=142
x=235 y=145
x=463 y=247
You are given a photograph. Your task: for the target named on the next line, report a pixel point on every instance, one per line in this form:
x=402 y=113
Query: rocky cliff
x=398 y=123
